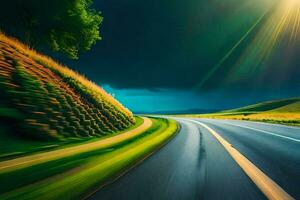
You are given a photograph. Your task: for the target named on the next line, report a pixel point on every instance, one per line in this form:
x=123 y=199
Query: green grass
x=76 y=176
x=266 y=106
x=12 y=146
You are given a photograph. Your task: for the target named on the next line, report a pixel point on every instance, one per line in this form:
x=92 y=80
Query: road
x=195 y=165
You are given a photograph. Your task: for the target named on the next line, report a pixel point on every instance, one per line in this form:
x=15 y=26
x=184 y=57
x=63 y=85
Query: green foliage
x=68 y=26
x=10 y=113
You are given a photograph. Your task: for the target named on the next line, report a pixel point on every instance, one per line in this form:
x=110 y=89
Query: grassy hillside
x=62 y=136
x=285 y=111
x=277 y=105
x=41 y=99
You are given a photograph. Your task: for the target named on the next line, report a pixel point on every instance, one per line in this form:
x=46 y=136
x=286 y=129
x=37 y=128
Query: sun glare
x=277 y=26
x=293 y=1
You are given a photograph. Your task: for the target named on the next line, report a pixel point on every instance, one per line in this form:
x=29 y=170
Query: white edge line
x=271 y=190
x=267 y=132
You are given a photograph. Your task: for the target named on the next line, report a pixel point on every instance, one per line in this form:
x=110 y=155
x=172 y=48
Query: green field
x=80 y=174
x=285 y=111
x=284 y=105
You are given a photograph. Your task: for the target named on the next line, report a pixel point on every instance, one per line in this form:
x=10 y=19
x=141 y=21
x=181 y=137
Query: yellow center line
x=270 y=189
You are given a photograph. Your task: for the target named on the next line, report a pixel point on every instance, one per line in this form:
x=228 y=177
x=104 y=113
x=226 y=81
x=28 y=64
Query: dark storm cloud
x=161 y=44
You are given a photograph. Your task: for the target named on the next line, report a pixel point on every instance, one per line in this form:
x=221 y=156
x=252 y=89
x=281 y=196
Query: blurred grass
x=75 y=176
x=12 y=146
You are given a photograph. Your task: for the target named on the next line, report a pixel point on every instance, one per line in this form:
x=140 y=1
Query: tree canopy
x=67 y=26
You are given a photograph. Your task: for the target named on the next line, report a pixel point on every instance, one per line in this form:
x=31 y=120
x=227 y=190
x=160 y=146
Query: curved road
x=195 y=165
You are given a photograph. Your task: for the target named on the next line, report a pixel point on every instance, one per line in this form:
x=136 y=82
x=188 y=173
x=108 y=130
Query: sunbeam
x=280 y=30
x=279 y=24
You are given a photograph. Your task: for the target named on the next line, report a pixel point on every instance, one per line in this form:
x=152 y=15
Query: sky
x=161 y=55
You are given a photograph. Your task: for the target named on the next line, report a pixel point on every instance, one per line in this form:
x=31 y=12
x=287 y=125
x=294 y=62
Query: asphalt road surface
x=195 y=165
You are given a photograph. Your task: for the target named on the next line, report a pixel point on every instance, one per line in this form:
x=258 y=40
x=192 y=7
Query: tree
x=67 y=26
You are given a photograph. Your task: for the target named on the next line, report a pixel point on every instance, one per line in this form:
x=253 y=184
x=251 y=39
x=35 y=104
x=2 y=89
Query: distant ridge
x=282 y=105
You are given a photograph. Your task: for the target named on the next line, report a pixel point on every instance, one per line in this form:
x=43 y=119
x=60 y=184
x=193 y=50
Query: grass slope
x=285 y=111
x=41 y=99
x=283 y=105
